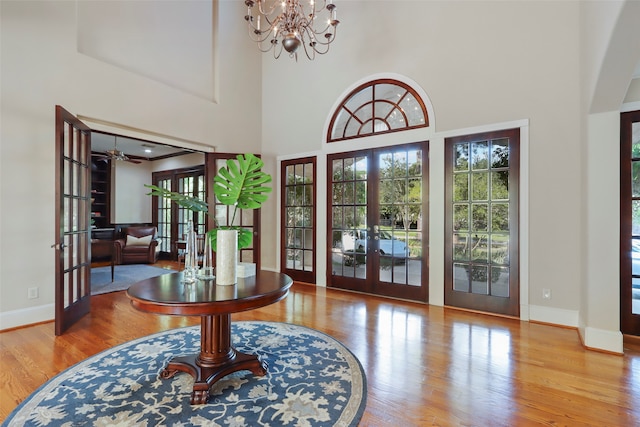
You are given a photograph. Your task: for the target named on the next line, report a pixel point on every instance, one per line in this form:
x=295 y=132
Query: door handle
x=58 y=246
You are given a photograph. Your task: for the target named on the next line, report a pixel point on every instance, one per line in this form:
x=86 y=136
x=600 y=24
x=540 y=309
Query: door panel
x=73 y=227
x=298 y=220
x=481 y=222
x=630 y=223
x=377 y=211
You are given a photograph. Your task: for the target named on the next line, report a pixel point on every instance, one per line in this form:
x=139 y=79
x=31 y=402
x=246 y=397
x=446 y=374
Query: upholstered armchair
x=138 y=245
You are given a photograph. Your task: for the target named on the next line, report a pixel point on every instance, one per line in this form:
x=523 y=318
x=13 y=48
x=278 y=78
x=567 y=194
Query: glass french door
x=172 y=219
x=630 y=223
x=73 y=226
x=377 y=215
x=223 y=214
x=298 y=221
x=481 y=222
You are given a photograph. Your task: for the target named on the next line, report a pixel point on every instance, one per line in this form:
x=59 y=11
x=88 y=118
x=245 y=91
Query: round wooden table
x=166 y=294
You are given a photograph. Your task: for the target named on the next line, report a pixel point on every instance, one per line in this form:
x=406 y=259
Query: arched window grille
x=376 y=107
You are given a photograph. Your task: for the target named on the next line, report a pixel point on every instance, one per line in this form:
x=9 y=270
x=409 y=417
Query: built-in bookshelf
x=100 y=191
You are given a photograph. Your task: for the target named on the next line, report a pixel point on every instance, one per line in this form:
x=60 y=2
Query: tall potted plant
x=241 y=184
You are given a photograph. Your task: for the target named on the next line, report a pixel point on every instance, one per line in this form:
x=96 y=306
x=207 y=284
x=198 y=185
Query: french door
x=630 y=223
x=73 y=226
x=377 y=219
x=223 y=214
x=481 y=222
x=171 y=219
x=298 y=220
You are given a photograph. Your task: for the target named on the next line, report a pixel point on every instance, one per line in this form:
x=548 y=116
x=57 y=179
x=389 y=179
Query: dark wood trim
x=373 y=84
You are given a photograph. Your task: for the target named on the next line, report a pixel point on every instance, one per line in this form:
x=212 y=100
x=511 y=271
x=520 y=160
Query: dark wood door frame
x=372 y=283
x=510 y=305
x=629 y=322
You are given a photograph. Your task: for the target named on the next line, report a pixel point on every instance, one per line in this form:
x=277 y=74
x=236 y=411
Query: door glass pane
x=398 y=232
x=480 y=223
x=349 y=217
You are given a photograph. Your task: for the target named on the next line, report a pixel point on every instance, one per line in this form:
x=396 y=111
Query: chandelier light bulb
x=292 y=25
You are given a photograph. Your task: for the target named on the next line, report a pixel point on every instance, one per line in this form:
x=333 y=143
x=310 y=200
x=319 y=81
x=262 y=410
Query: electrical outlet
x=546 y=293
x=32 y=293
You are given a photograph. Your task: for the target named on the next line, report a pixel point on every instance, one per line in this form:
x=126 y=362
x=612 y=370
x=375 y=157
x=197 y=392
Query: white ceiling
x=101 y=142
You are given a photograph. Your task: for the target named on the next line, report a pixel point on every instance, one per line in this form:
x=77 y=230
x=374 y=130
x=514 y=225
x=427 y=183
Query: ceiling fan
x=115 y=154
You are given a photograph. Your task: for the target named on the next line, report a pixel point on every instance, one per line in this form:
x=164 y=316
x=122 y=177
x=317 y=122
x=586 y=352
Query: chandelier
x=287 y=24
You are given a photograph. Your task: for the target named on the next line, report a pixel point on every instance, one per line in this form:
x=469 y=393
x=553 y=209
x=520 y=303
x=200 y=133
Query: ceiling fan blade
x=137 y=162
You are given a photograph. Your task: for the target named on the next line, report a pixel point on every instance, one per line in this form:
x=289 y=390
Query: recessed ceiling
x=137 y=148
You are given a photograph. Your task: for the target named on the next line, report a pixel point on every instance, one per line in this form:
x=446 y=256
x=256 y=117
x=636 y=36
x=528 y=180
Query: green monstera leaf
x=192 y=203
x=241 y=183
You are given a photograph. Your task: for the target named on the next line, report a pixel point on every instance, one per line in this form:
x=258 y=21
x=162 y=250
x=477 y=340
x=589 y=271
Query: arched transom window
x=379 y=106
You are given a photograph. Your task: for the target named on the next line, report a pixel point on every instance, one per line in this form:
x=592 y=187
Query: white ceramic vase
x=227 y=257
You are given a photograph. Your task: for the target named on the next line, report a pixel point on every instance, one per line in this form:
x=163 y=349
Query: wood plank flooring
x=425 y=365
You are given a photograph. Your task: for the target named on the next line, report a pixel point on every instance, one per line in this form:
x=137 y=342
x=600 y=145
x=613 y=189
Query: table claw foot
x=168 y=373
x=199 y=397
x=262 y=369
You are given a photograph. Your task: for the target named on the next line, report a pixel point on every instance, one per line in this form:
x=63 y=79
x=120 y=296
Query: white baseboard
x=601 y=339
x=27 y=316
x=556 y=316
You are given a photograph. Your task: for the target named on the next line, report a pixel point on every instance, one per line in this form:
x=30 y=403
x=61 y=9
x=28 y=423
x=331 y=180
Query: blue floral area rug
x=124 y=276
x=312 y=380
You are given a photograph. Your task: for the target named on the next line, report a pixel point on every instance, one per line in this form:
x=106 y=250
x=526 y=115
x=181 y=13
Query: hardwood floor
x=425 y=365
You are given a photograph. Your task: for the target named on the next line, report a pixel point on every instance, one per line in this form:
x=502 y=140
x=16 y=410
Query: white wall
x=129 y=201
x=480 y=63
x=41 y=67
x=610 y=50
x=484 y=63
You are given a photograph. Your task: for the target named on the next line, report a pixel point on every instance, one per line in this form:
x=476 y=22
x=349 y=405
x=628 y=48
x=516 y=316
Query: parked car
x=356 y=241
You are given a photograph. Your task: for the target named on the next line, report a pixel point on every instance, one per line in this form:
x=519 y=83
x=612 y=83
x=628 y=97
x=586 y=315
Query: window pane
x=479 y=155
x=461 y=157
x=461 y=217
x=460 y=277
x=500 y=282
x=479 y=217
x=500 y=185
x=479 y=248
x=479 y=279
x=500 y=153
x=635 y=179
x=461 y=246
x=461 y=187
x=479 y=185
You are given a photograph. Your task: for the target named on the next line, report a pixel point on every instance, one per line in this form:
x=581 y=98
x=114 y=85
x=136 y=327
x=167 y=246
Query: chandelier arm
x=292 y=26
